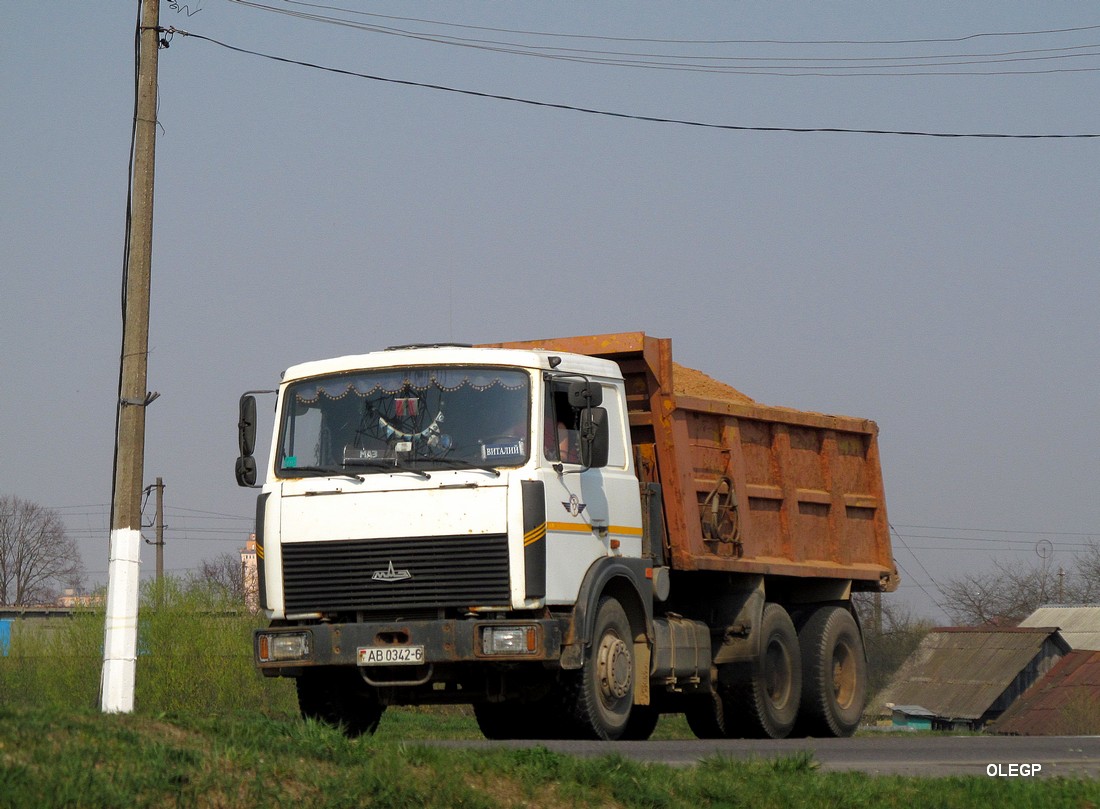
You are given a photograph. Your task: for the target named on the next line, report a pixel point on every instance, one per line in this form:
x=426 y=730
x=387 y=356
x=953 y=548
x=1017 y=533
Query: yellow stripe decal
x=584 y=528
x=579 y=527
x=534 y=535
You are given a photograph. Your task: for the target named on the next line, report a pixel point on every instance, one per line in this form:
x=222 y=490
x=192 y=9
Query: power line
x=917 y=584
x=662 y=40
x=997 y=542
x=194 y=514
x=923 y=568
x=1075 y=550
x=1040 y=533
x=672 y=61
x=622 y=115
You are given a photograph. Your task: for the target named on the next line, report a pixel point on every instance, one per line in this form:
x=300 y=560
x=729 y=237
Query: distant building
x=1066 y=702
x=1079 y=625
x=913 y=717
x=71 y=599
x=963 y=678
x=250 y=578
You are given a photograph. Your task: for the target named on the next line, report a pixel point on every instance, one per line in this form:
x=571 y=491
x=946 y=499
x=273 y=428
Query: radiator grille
x=369 y=574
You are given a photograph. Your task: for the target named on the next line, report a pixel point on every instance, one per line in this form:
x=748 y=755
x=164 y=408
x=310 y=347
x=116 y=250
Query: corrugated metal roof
x=912 y=710
x=1064 y=703
x=1079 y=624
x=958 y=673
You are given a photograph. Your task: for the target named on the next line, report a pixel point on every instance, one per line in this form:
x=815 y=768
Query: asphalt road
x=1011 y=757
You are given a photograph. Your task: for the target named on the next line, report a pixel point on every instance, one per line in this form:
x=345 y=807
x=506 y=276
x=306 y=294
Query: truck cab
x=429 y=516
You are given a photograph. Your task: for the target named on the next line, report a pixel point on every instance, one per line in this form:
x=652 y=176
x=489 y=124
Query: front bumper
x=443 y=641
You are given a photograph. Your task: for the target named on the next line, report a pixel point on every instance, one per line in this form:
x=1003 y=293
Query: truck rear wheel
x=834 y=684
x=340 y=698
x=706 y=716
x=770 y=698
x=603 y=689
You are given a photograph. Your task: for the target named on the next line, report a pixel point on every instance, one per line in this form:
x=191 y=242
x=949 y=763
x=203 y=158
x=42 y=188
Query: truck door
x=590 y=513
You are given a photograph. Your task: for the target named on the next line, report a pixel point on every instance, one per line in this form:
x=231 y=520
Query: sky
x=947 y=288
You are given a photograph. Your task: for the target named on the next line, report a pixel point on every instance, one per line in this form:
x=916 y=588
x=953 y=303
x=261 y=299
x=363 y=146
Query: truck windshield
x=405 y=418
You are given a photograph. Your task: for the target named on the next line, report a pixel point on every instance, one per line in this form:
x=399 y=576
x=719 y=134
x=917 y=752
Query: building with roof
x=1066 y=702
x=966 y=677
x=1078 y=624
x=912 y=717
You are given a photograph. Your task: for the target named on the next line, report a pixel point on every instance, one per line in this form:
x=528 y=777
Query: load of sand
x=689 y=382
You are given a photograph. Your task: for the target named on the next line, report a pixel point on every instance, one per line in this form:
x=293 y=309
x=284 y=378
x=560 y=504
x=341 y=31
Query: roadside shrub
x=194 y=656
x=53 y=662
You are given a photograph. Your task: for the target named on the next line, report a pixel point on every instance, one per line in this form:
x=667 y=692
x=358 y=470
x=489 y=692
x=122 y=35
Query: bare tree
x=890 y=634
x=1085 y=580
x=37 y=557
x=1010 y=591
x=223 y=574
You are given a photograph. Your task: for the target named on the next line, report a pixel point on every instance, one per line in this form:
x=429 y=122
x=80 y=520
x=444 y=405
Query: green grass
x=86 y=759
x=194 y=658
x=194 y=654
x=209 y=731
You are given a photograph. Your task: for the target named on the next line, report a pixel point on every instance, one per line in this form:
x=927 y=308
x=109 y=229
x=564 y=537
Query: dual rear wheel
x=806 y=682
x=834 y=673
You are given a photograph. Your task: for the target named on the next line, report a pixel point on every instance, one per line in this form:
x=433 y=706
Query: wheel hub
x=614 y=668
x=844 y=676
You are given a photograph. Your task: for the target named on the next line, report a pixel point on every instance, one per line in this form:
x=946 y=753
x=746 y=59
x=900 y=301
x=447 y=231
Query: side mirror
x=246 y=425
x=246 y=471
x=594 y=439
x=585 y=393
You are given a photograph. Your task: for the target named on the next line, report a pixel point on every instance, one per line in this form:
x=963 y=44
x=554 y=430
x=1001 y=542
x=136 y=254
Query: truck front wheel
x=340 y=698
x=603 y=690
x=538 y=719
x=834 y=684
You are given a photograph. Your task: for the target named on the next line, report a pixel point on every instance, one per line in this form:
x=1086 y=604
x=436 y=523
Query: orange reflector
x=615 y=544
x=532 y=639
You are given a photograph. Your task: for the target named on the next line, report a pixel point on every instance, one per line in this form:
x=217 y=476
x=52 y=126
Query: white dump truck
x=552 y=532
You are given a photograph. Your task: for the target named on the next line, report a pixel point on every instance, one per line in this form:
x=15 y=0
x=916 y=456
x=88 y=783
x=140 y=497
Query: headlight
x=509 y=640
x=271 y=647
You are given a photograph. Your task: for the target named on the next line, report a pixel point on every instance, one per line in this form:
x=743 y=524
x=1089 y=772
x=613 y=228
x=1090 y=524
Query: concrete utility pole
x=158 y=525
x=120 y=631
x=160 y=532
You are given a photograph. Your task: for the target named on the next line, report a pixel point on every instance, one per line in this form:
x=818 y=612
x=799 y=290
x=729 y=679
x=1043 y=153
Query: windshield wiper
x=385 y=465
x=459 y=463
x=317 y=471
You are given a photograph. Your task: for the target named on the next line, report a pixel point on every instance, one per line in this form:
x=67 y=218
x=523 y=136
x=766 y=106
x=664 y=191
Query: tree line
x=39 y=561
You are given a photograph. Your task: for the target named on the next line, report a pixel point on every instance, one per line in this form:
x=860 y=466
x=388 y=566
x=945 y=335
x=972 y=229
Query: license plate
x=390 y=655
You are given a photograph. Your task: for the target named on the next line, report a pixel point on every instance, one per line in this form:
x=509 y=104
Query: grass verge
x=85 y=759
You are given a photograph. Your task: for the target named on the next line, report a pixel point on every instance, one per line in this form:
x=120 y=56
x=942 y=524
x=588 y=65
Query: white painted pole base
x=120 y=632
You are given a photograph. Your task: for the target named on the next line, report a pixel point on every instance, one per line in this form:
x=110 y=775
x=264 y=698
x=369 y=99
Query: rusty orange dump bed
x=749 y=488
